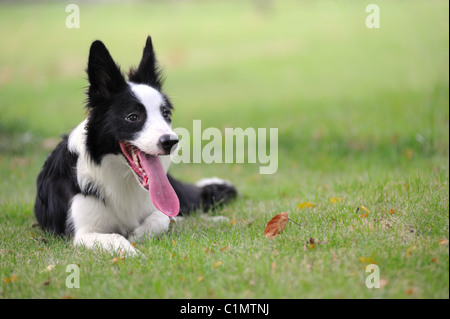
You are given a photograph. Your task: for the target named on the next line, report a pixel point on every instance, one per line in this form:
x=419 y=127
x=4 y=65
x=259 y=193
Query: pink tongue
x=161 y=192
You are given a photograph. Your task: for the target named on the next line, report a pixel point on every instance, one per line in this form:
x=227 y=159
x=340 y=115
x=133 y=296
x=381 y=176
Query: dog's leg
x=95 y=227
x=154 y=225
x=205 y=194
x=114 y=243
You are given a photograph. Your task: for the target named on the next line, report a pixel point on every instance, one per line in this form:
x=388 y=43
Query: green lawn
x=362 y=117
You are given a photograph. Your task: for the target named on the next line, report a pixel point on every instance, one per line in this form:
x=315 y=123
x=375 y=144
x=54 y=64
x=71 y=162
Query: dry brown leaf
x=365 y=209
x=276 y=225
x=11 y=279
x=410 y=291
x=119 y=259
x=367 y=261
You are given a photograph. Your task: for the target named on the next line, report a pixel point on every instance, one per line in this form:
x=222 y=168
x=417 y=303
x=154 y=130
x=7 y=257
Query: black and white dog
x=106 y=184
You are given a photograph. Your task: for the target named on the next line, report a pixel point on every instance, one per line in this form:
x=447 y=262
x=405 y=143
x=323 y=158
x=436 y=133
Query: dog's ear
x=148 y=71
x=104 y=75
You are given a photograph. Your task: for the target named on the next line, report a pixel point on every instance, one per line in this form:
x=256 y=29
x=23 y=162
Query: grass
x=362 y=115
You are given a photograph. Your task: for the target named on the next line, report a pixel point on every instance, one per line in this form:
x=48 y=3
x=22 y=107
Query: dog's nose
x=166 y=142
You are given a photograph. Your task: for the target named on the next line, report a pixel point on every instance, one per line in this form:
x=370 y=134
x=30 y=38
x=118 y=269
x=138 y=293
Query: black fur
x=194 y=198
x=148 y=71
x=109 y=102
x=56 y=185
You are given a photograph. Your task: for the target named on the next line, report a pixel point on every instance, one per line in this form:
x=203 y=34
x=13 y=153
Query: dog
x=106 y=184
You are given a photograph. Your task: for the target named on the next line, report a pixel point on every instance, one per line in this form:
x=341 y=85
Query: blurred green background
x=335 y=89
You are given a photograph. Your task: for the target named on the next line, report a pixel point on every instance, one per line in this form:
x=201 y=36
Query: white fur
x=124 y=208
x=212 y=180
x=156 y=126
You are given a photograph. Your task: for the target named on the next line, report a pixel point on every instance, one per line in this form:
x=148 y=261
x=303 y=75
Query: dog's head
x=132 y=118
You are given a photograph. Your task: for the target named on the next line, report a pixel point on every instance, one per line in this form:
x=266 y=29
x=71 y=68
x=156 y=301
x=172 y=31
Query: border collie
x=106 y=184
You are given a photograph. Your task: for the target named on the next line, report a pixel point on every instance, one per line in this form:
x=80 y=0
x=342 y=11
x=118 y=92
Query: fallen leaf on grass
x=305 y=205
x=367 y=260
x=334 y=200
x=410 y=291
x=10 y=279
x=276 y=225
x=443 y=242
x=365 y=209
x=119 y=259
x=217 y=264
x=312 y=243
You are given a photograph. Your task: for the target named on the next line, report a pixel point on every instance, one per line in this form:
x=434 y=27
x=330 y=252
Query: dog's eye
x=132 y=117
x=166 y=114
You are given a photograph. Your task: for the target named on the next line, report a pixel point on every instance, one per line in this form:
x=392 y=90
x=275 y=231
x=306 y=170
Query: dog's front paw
x=113 y=243
x=154 y=225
